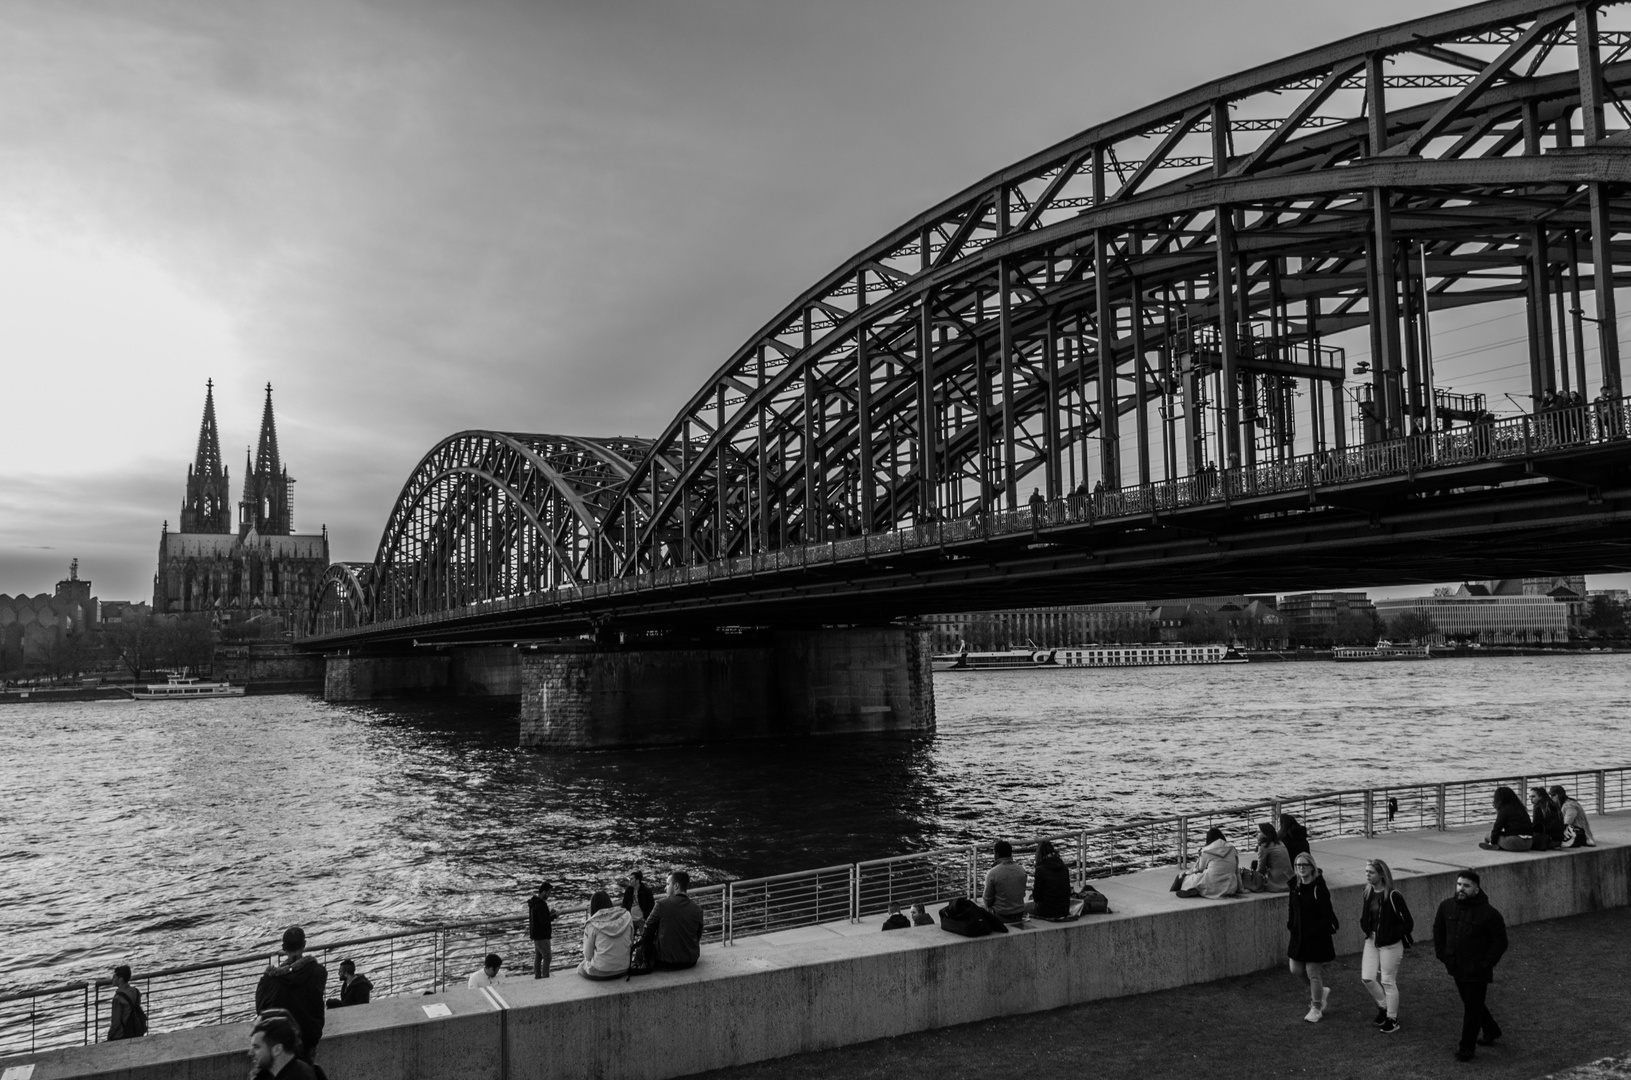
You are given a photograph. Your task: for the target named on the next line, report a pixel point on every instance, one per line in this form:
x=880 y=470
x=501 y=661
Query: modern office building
x=1473 y=613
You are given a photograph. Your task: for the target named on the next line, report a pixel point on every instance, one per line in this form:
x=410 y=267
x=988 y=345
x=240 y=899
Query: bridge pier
x=365 y=678
x=581 y=696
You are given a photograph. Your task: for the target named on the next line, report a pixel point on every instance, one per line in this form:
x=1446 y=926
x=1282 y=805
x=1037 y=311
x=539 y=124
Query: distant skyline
x=418 y=218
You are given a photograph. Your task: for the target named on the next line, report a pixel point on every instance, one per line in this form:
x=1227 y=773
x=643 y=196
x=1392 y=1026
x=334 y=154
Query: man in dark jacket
x=354 y=989
x=296 y=985
x=541 y=929
x=1469 y=938
x=673 y=937
x=273 y=1045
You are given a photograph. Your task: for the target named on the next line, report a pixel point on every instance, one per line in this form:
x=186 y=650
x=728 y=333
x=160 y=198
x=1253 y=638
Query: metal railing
x=1514 y=439
x=429 y=959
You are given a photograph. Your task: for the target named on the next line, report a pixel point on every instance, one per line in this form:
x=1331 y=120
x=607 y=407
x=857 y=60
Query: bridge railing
x=431 y=958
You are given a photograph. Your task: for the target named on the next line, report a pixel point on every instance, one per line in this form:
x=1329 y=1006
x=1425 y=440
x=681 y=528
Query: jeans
x=1475 y=1014
x=1379 y=971
x=540 y=958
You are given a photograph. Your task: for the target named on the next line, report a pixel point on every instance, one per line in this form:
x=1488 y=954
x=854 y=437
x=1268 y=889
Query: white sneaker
x=1314 y=1014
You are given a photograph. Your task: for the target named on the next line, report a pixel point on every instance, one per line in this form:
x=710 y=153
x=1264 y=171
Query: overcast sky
x=414 y=218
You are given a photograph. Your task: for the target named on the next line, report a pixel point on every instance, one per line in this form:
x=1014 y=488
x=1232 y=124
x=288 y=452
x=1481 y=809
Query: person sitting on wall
x=1576 y=829
x=487 y=974
x=1004 y=894
x=1271 y=870
x=354 y=989
x=608 y=934
x=1294 y=835
x=1546 y=819
x=896 y=920
x=1217 y=870
x=921 y=917
x=1050 y=887
x=1512 y=830
x=673 y=937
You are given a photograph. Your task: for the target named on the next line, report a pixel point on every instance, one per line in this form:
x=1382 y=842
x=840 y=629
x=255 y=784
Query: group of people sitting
x=617 y=943
x=1553 y=820
x=1217 y=871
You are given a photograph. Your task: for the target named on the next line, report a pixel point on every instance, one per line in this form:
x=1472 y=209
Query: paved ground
x=1562 y=996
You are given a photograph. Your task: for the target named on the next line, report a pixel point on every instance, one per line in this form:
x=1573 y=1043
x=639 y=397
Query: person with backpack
x=128 y=1020
x=1386 y=922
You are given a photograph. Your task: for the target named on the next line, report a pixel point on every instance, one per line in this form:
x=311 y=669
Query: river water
x=160 y=833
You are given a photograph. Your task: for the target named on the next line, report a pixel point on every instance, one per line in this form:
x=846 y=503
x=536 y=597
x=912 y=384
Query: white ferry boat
x=1384 y=650
x=181 y=686
x=1090 y=656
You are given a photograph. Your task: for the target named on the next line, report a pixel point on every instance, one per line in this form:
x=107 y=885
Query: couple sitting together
x=1005 y=882
x=671 y=941
x=1217 y=872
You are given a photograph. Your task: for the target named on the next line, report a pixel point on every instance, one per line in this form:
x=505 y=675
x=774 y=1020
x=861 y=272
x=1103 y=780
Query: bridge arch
x=1153 y=296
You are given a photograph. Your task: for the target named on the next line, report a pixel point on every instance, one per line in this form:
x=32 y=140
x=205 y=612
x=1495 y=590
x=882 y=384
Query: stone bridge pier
x=582 y=695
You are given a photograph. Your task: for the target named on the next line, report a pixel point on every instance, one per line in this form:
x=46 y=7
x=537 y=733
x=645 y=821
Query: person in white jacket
x=607 y=938
x=1217 y=869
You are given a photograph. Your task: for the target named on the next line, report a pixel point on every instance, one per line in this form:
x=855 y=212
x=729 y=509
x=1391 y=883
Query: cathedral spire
x=266 y=457
x=207 y=507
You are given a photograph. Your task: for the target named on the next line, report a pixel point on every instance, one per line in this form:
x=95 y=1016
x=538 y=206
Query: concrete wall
x=581 y=696
x=838 y=984
x=365 y=678
x=274 y=663
x=485 y=671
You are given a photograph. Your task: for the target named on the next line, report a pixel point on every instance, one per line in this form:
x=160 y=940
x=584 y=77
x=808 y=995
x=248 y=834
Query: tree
x=1412 y=626
x=1604 y=618
x=1356 y=627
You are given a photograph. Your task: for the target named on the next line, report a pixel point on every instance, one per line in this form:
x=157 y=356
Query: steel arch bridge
x=1148 y=303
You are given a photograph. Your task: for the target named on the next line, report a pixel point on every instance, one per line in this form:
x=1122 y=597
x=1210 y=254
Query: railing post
x=1602 y=791
x=854 y=892
x=1439 y=798
x=726 y=909
x=1081 y=858
x=1370 y=812
x=1183 y=840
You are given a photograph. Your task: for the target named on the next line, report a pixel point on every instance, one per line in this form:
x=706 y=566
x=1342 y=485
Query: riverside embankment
x=835 y=984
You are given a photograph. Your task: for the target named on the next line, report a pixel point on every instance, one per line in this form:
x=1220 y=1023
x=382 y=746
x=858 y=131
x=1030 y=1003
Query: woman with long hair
x=1546 y=818
x=1273 y=863
x=607 y=937
x=1576 y=829
x=1311 y=922
x=1050 y=883
x=1293 y=835
x=1512 y=830
x=1386 y=922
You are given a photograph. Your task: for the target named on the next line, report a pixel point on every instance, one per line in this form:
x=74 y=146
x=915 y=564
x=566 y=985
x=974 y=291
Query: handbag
x=1178 y=882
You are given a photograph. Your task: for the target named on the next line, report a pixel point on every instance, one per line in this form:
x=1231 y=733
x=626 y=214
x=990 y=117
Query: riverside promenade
x=838 y=984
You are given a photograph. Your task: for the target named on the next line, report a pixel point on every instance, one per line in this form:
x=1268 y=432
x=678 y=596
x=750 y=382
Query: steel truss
x=1147 y=300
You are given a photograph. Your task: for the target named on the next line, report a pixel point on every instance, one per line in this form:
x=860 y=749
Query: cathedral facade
x=261 y=569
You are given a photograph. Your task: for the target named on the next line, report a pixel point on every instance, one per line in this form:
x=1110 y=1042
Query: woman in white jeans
x=1385 y=920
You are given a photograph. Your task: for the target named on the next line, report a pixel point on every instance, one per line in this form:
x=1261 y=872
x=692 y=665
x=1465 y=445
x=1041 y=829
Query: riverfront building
x=1314 y=617
x=266 y=568
x=1213 y=618
x=1472 y=613
x=32 y=626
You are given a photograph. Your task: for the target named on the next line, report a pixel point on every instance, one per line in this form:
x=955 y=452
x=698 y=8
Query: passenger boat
x=987 y=661
x=181 y=686
x=1091 y=656
x=1383 y=650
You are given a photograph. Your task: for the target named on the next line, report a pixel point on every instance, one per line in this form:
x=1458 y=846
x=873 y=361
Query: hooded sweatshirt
x=1217 y=871
x=298 y=989
x=606 y=940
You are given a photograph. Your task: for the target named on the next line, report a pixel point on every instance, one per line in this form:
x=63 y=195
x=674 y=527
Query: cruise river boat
x=1383 y=650
x=1155 y=655
x=180 y=686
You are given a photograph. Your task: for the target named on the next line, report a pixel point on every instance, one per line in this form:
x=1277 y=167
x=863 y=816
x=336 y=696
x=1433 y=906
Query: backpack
x=963 y=916
x=135 y=1019
x=1096 y=902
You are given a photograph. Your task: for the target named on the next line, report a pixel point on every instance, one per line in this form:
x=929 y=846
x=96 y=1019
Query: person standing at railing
x=1311 y=921
x=541 y=929
x=296 y=985
x=128 y=1021
x=1038 y=505
x=1469 y=939
x=1386 y=922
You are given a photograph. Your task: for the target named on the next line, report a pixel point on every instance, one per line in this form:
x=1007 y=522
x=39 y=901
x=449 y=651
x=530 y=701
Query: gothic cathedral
x=266 y=570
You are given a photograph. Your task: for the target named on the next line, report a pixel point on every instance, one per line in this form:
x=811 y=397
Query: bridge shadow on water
x=718 y=810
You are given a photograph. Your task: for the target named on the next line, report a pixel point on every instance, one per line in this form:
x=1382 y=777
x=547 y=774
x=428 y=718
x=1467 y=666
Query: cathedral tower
x=208 y=505
x=267 y=505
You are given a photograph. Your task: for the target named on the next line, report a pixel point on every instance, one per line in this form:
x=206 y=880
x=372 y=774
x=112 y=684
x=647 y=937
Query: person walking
x=1469 y=939
x=540 y=928
x=1311 y=922
x=127 y=1021
x=296 y=985
x=1386 y=922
